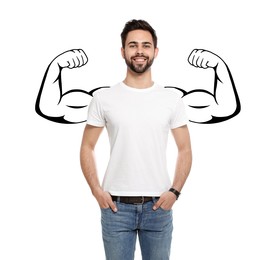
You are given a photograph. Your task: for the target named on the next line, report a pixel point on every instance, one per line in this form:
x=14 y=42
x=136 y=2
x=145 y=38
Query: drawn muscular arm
x=203 y=106
x=52 y=104
x=206 y=107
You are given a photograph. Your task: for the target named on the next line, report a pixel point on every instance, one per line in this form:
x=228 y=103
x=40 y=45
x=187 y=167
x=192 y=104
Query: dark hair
x=138 y=25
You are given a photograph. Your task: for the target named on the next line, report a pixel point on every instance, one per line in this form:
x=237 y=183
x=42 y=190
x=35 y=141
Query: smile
x=139 y=59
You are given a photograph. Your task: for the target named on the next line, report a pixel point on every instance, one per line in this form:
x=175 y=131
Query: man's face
x=139 y=51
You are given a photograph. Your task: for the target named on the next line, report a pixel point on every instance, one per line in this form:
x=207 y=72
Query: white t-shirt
x=138 y=123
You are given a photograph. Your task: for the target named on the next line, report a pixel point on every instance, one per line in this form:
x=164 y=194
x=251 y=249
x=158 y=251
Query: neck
x=135 y=80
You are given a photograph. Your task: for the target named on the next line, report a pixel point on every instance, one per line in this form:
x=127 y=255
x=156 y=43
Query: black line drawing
x=203 y=106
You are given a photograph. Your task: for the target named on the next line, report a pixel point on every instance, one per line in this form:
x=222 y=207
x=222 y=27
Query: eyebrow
x=134 y=42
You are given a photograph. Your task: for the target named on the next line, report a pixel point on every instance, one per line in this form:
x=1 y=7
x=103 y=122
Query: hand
x=203 y=59
x=104 y=200
x=166 y=201
x=72 y=59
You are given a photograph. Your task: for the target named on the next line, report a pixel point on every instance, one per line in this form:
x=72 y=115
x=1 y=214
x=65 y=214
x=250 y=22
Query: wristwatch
x=175 y=192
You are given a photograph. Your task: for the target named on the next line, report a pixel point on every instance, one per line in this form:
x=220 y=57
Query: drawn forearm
x=225 y=93
x=222 y=83
x=50 y=89
x=52 y=84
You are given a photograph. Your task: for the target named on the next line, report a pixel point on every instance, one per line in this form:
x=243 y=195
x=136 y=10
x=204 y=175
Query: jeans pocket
x=166 y=210
x=104 y=209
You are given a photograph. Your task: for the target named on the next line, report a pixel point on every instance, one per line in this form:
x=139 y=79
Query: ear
x=123 y=52
x=156 y=52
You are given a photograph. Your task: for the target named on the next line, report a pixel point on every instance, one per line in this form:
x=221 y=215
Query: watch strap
x=175 y=192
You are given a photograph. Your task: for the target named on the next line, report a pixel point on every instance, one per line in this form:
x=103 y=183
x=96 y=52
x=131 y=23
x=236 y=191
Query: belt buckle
x=140 y=203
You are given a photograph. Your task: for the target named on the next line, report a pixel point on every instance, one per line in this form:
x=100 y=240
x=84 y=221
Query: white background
x=46 y=208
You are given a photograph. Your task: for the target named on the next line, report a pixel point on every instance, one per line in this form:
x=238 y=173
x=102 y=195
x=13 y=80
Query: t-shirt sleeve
x=95 y=113
x=179 y=116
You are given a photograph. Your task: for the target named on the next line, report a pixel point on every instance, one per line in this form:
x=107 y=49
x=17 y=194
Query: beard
x=139 y=68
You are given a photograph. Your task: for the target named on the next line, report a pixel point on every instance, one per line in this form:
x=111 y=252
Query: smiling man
x=137 y=195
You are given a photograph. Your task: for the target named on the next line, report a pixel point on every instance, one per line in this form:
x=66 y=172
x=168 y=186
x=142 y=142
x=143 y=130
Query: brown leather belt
x=132 y=200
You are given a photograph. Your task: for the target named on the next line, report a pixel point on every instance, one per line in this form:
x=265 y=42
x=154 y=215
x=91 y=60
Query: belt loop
x=118 y=199
x=143 y=200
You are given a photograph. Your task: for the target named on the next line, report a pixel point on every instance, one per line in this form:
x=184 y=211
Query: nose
x=139 y=50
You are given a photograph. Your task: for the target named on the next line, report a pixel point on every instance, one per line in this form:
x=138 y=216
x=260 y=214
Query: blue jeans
x=120 y=230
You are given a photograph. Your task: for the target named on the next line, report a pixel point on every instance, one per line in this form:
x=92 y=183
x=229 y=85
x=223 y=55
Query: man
x=137 y=196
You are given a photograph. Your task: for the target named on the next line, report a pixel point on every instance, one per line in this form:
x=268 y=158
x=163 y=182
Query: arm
x=223 y=103
x=183 y=166
x=184 y=158
x=88 y=166
x=52 y=103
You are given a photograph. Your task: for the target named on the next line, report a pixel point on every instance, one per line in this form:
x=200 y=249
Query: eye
x=132 y=46
x=146 y=46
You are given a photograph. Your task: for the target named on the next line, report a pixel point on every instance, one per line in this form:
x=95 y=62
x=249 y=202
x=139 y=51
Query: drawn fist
x=203 y=59
x=72 y=59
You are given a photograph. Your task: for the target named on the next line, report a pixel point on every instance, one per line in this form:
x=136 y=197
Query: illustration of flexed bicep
x=203 y=107
x=212 y=107
x=52 y=104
